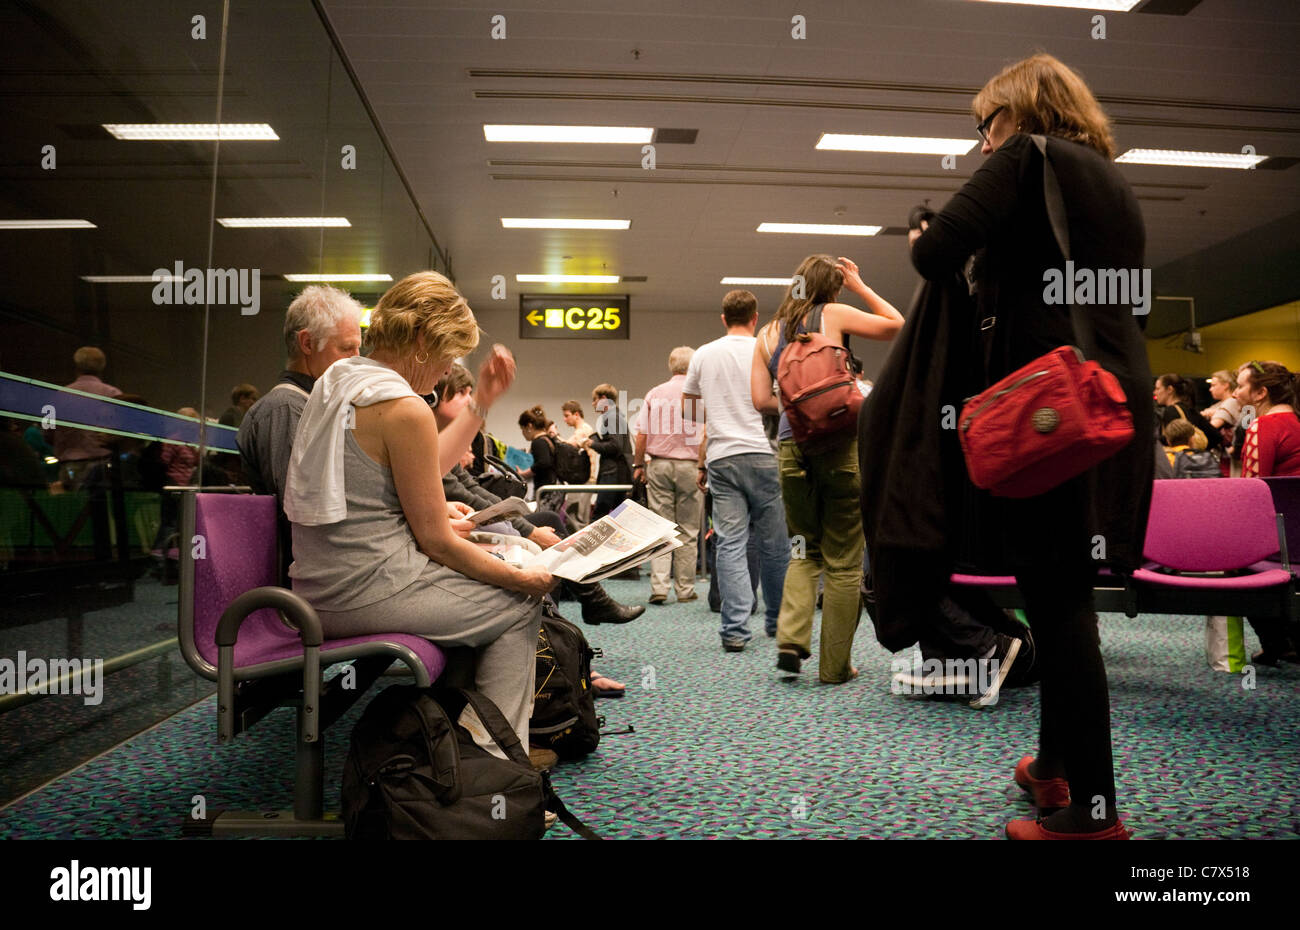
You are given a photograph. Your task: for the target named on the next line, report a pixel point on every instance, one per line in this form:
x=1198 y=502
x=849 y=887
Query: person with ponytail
x=1176 y=398
x=536 y=428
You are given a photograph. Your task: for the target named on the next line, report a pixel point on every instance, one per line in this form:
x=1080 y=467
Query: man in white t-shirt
x=741 y=471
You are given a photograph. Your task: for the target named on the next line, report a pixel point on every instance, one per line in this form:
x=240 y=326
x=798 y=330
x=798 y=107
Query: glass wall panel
x=143 y=290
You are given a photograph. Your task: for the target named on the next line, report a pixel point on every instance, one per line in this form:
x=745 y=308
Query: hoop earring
x=422 y=361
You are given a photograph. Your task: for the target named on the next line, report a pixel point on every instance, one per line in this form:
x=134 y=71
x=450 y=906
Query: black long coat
x=918 y=503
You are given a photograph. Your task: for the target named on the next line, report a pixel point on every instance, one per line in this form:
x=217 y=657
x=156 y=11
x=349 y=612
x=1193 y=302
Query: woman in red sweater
x=1272 y=446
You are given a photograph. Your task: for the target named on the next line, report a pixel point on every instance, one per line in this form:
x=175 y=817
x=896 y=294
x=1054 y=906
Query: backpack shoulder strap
x=497 y=726
x=567 y=817
x=813 y=322
x=1057 y=216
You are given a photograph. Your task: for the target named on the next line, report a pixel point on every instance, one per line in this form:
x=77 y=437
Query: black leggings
x=1074 y=736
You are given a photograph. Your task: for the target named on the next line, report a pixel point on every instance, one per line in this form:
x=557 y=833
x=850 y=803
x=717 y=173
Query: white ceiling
x=1219 y=78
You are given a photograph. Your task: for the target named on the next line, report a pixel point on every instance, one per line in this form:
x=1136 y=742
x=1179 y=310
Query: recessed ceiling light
x=192 y=132
x=819 y=229
x=567 y=278
x=249 y=222
x=904 y=145
x=129 y=278
x=1190 y=159
x=519 y=222
x=758 y=282
x=631 y=135
x=46 y=224
x=1109 y=6
x=318 y=278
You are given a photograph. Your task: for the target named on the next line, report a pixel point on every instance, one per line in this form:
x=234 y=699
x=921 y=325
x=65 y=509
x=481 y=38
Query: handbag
x=1052 y=419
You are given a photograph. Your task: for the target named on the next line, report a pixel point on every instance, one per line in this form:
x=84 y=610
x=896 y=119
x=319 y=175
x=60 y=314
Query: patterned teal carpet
x=724 y=746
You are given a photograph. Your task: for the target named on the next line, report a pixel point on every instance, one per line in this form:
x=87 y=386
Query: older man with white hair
x=671 y=446
x=321 y=326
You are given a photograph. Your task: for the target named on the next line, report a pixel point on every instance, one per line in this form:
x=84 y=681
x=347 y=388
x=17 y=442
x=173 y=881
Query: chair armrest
x=304 y=618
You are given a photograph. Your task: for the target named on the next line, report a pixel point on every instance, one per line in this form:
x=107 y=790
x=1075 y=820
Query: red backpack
x=819 y=395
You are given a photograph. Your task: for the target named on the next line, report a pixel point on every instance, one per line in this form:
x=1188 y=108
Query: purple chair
x=1190 y=520
x=264 y=647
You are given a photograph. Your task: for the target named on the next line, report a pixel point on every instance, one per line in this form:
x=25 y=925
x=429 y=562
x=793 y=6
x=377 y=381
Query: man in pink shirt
x=77 y=449
x=673 y=448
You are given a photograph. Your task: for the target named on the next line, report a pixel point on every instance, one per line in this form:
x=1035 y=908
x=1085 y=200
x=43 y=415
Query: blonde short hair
x=1045 y=96
x=423 y=307
x=679 y=360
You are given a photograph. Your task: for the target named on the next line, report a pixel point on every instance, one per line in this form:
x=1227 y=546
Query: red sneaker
x=1033 y=830
x=1046 y=792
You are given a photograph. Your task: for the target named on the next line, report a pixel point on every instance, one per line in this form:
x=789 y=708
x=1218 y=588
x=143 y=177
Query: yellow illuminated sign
x=545 y=317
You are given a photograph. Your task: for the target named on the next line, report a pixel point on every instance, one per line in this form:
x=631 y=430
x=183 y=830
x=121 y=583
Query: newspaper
x=501 y=510
x=624 y=538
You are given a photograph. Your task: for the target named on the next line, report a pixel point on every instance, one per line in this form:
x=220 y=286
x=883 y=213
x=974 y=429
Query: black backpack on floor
x=415 y=772
x=564 y=706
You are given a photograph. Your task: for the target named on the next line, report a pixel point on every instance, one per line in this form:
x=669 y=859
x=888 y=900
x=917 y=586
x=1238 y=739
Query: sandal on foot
x=615 y=689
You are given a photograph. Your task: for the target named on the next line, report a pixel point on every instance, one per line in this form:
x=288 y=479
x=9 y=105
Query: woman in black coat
x=614 y=446
x=1054 y=542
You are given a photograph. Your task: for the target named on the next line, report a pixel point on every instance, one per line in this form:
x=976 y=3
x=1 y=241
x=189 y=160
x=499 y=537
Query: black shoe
x=1265 y=657
x=788 y=661
x=598 y=607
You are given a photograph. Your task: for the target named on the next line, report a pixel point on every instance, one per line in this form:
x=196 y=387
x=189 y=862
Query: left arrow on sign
x=534 y=318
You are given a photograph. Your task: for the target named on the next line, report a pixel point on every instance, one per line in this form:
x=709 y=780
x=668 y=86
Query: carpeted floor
x=724 y=746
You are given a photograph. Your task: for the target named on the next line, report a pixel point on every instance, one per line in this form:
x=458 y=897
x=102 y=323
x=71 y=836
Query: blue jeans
x=747 y=488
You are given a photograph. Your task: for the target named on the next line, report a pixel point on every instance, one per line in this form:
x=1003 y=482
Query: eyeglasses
x=983 y=126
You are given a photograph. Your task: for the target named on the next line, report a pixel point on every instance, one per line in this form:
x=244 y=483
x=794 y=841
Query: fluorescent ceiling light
x=633 y=135
x=567 y=278
x=248 y=222
x=129 y=278
x=191 y=132
x=1190 y=159
x=1109 y=6
x=759 y=282
x=46 y=224
x=518 y=222
x=819 y=229
x=915 y=145
x=352 y=278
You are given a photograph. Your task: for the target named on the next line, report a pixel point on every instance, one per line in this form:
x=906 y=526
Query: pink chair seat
x=1265 y=579
x=984 y=581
